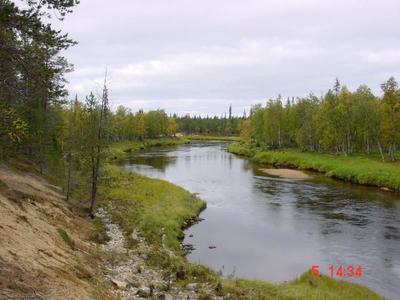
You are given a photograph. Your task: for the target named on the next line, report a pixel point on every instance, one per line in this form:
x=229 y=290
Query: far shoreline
x=359 y=170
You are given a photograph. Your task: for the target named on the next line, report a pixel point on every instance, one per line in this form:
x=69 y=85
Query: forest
x=219 y=126
x=341 y=121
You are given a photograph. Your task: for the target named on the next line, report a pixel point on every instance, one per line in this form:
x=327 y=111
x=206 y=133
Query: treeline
x=219 y=126
x=341 y=121
x=127 y=125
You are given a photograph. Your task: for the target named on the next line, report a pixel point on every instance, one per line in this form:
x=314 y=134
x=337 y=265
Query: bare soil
x=35 y=261
x=287 y=173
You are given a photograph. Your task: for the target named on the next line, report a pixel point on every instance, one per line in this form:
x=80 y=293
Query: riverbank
x=212 y=138
x=120 y=149
x=159 y=211
x=353 y=168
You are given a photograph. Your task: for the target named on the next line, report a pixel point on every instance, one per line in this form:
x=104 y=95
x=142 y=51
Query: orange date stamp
x=339 y=271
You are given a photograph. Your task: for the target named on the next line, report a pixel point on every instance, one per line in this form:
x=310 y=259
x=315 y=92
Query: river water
x=269 y=228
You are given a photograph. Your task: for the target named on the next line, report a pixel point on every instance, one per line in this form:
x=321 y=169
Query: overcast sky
x=200 y=56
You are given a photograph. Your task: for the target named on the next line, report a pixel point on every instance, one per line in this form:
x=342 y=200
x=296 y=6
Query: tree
x=366 y=118
x=31 y=70
x=257 y=123
x=245 y=132
x=305 y=122
x=273 y=123
x=141 y=129
x=72 y=140
x=390 y=123
x=172 y=127
x=12 y=129
x=96 y=136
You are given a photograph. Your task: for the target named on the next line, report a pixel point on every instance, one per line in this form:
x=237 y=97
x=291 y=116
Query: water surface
x=274 y=229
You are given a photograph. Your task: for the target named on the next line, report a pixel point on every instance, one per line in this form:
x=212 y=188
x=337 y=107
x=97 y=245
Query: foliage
x=341 y=121
x=64 y=235
x=126 y=125
x=213 y=126
x=31 y=75
x=12 y=128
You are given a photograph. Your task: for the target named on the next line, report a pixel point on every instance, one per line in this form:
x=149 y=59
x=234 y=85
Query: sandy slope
x=35 y=262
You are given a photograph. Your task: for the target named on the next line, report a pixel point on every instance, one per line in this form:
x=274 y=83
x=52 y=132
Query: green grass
x=212 y=138
x=64 y=235
x=305 y=287
x=99 y=232
x=150 y=205
x=121 y=148
x=361 y=169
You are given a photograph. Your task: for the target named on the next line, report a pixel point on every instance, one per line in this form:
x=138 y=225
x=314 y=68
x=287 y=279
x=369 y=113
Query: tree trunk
x=392 y=152
x=349 y=148
x=381 y=151
x=69 y=179
x=344 y=149
x=94 y=190
x=95 y=175
x=279 y=137
x=41 y=164
x=368 y=146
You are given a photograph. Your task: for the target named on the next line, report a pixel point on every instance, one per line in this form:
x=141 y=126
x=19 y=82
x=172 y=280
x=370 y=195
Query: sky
x=199 y=57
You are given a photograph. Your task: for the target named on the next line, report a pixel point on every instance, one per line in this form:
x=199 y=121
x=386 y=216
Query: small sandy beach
x=287 y=173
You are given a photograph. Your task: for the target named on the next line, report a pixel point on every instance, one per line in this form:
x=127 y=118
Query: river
x=264 y=227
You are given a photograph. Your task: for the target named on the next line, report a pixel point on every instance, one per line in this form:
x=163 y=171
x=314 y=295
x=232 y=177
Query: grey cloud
x=201 y=56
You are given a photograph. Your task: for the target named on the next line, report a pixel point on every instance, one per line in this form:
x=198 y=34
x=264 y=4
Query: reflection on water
x=275 y=229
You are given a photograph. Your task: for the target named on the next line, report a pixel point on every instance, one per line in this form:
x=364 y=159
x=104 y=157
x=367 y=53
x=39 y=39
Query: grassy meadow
x=154 y=207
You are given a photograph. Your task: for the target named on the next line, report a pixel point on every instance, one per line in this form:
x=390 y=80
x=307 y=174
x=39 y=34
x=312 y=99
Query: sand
x=287 y=173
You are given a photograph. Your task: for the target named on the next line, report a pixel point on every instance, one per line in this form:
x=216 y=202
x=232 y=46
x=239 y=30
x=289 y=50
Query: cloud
x=199 y=57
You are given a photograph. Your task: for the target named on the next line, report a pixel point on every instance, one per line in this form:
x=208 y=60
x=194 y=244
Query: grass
x=64 y=235
x=305 y=287
x=121 y=148
x=212 y=138
x=99 y=232
x=155 y=208
x=356 y=168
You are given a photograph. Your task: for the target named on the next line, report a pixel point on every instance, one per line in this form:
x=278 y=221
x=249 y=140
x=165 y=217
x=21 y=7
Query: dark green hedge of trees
x=219 y=126
x=341 y=121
